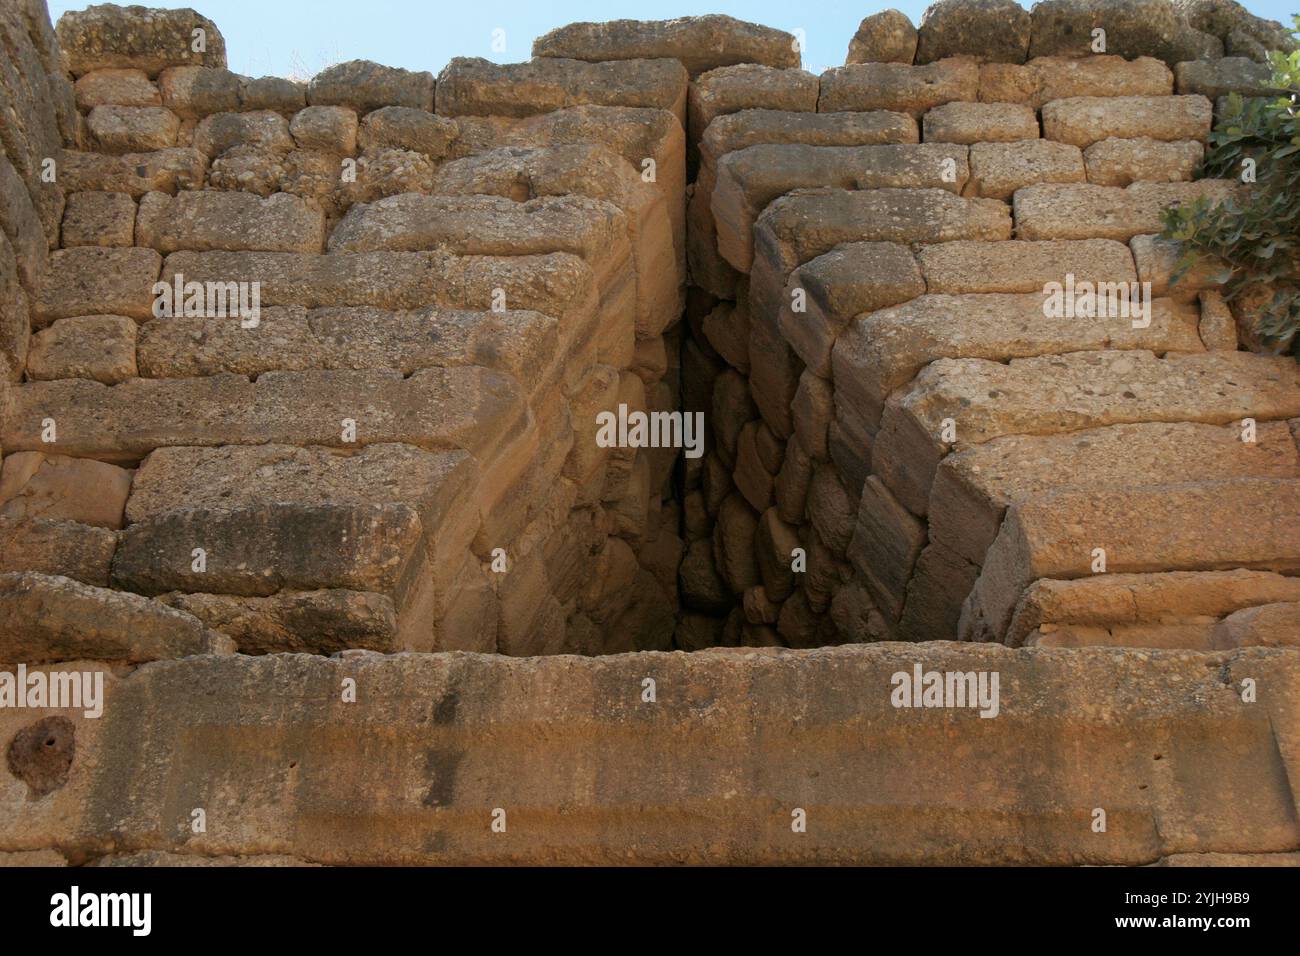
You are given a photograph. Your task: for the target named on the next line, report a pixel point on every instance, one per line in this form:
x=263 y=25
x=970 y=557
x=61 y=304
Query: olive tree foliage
x=1253 y=238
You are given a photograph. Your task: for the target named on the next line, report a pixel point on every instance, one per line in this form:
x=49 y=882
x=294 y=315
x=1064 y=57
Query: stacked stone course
x=845 y=274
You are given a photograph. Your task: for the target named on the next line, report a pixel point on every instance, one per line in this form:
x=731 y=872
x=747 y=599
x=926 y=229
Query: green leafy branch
x=1253 y=237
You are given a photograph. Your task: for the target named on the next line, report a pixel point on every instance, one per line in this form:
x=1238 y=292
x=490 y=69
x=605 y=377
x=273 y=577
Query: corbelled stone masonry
x=845 y=274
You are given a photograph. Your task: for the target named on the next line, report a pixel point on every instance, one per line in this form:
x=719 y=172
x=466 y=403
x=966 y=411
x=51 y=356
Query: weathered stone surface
x=886 y=543
x=1232 y=74
x=264 y=548
x=1084 y=120
x=90 y=280
x=883 y=351
x=727 y=329
x=997 y=170
x=733 y=544
x=56 y=487
x=995 y=30
x=48 y=546
x=1053 y=537
x=332 y=129
x=135 y=173
x=476 y=87
x=885 y=37
x=1237 y=26
x=99 y=347
x=554 y=284
x=132 y=129
x=974 y=486
x=871 y=215
x=735 y=131
x=702 y=588
x=730 y=89
x=205 y=220
x=1217 y=328
x=116 y=87
x=50 y=618
x=273 y=93
x=107 y=36
x=433 y=408
x=1119 y=162
x=262 y=130
x=1070 y=211
x=831 y=509
x=1233 y=796
x=1022 y=266
x=403 y=127
x=850 y=279
x=898 y=86
x=483 y=225
x=1045 y=79
x=1156 y=260
x=237 y=476
x=193 y=92
x=1066 y=393
x=520 y=343
x=1133 y=28
x=99 y=219
x=967 y=123
x=700 y=43
x=751 y=178
x=365 y=86
x=311 y=622
x=1268 y=625
x=939 y=583
x=1120 y=602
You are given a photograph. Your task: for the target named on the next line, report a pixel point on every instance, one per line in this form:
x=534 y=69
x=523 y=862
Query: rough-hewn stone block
x=365 y=86
x=1142 y=530
x=433 y=408
x=1118 y=602
x=749 y=179
x=36 y=485
x=1048 y=78
x=700 y=43
x=99 y=219
x=132 y=129
x=477 y=87
x=997 y=170
x=995 y=30
x=107 y=36
x=850 y=279
x=91 y=280
x=898 y=86
x=49 y=618
x=1119 y=162
x=50 y=546
x=973 y=487
x=885 y=37
x=1070 y=211
x=116 y=87
x=979 y=123
x=231 y=221
x=1084 y=120
x=1232 y=795
x=1065 y=393
x=883 y=351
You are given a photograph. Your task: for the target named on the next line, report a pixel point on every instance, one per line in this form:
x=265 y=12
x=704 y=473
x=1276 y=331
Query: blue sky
x=299 y=37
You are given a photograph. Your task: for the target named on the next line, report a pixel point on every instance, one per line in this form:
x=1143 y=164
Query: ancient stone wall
x=320 y=368
x=890 y=393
